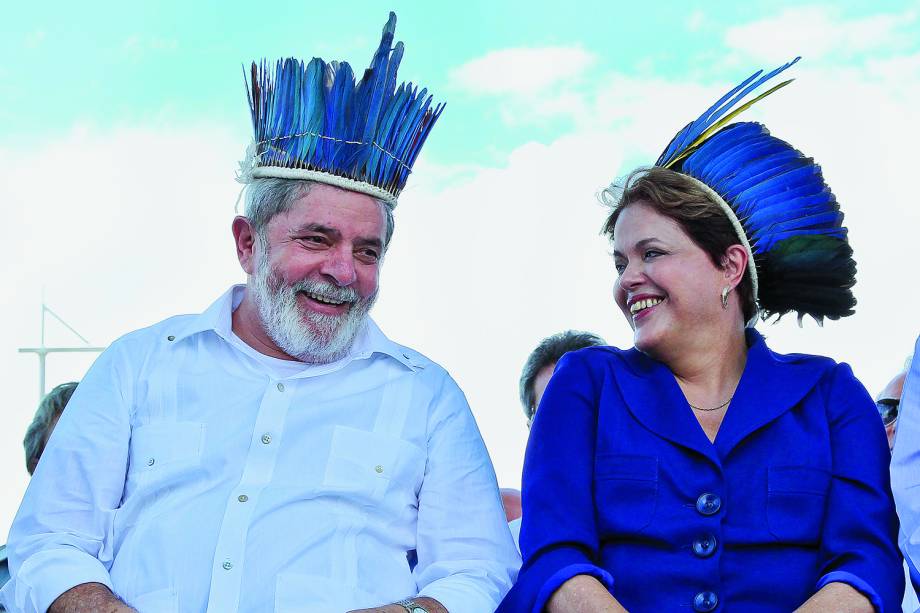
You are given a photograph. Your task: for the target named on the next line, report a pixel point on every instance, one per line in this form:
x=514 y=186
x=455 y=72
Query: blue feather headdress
x=785 y=214
x=316 y=122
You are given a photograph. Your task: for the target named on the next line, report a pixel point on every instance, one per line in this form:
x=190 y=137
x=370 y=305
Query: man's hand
x=90 y=598
x=430 y=604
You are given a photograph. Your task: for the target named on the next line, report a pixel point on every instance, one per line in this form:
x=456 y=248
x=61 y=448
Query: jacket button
x=708 y=504
x=704 y=602
x=704 y=546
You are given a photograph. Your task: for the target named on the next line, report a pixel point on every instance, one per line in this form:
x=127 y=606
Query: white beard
x=314 y=338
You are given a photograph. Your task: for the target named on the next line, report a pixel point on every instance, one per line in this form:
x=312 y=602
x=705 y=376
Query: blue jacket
x=621 y=482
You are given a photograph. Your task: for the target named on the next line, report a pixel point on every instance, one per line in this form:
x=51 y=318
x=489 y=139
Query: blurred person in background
x=905 y=462
x=699 y=470
x=46 y=418
x=537 y=371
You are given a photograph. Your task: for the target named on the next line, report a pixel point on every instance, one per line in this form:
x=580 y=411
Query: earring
x=725 y=291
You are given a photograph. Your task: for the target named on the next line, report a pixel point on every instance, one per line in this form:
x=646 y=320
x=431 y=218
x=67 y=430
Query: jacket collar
x=770 y=385
x=218 y=318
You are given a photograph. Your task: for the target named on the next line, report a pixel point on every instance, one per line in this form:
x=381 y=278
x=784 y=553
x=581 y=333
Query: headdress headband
x=316 y=122
x=784 y=213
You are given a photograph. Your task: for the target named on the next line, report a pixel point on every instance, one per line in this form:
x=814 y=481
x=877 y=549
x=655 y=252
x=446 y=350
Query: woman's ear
x=734 y=264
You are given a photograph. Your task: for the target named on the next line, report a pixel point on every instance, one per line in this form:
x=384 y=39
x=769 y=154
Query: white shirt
x=191 y=473
x=905 y=472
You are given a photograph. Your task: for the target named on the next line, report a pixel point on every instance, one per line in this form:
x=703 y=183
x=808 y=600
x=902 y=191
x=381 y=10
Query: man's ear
x=245 y=238
x=735 y=263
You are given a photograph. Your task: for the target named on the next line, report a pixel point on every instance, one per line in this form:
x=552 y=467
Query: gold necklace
x=724 y=404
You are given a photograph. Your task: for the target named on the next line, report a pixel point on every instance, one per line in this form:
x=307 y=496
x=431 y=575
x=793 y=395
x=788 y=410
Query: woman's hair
x=680 y=198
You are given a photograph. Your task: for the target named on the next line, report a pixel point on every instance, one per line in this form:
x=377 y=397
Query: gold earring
x=725 y=291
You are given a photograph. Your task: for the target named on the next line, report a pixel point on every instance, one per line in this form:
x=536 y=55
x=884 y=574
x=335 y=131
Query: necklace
x=723 y=405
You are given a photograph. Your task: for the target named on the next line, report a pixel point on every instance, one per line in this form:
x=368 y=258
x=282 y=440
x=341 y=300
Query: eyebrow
x=640 y=244
x=363 y=241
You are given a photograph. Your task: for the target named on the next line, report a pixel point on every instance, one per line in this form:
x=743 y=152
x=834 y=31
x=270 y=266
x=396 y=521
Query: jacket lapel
x=771 y=385
x=655 y=400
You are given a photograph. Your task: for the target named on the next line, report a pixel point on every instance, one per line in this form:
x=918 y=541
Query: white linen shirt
x=905 y=475
x=190 y=473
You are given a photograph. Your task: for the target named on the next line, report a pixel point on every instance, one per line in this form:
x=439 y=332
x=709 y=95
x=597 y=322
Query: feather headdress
x=785 y=214
x=315 y=121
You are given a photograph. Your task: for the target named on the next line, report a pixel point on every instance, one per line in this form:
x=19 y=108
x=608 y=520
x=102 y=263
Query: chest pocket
x=796 y=500
x=160 y=453
x=368 y=465
x=626 y=492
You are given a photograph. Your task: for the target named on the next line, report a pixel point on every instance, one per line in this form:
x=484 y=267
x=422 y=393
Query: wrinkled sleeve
x=905 y=469
x=467 y=560
x=61 y=536
x=559 y=536
x=859 y=539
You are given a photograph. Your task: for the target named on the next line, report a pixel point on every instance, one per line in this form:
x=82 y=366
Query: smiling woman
x=699 y=470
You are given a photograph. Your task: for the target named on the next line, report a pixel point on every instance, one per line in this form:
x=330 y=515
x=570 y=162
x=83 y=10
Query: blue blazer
x=620 y=482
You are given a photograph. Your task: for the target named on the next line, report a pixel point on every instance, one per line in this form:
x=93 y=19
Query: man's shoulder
x=167 y=330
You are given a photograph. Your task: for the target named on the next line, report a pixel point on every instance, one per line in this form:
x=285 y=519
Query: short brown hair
x=680 y=198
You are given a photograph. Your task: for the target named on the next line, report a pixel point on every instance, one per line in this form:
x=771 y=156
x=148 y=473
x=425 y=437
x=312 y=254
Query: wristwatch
x=411 y=606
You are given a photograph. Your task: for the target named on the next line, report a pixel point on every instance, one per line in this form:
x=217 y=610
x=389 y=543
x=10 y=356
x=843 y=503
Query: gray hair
x=266 y=198
x=548 y=352
x=49 y=410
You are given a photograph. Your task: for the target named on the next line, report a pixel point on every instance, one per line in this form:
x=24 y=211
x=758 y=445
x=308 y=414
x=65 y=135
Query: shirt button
x=704 y=546
x=151 y=461
x=708 y=504
x=281 y=387
x=704 y=602
x=266 y=438
x=379 y=469
x=242 y=498
x=170 y=338
x=228 y=565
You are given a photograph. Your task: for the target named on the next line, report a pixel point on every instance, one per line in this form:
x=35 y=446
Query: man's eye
x=368 y=255
x=313 y=240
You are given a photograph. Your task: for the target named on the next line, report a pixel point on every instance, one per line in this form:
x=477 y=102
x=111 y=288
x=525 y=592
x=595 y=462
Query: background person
x=700 y=471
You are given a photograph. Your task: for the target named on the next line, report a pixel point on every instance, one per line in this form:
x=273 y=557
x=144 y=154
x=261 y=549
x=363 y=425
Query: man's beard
x=321 y=339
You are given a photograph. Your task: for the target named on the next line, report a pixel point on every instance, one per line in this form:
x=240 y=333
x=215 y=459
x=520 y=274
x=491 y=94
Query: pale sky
x=121 y=127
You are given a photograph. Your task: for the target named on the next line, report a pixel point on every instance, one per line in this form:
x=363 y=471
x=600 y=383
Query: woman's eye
x=651 y=253
x=620 y=267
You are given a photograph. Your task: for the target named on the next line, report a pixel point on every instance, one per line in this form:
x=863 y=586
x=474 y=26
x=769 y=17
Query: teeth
x=638 y=305
x=324 y=300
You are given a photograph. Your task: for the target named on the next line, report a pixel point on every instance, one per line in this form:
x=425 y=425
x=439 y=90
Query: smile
x=641 y=305
x=323 y=299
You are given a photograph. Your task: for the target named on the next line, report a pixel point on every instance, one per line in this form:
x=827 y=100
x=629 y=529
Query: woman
x=700 y=471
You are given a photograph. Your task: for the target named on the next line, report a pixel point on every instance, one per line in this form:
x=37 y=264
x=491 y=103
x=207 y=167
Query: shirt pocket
x=368 y=465
x=162 y=453
x=626 y=492
x=796 y=499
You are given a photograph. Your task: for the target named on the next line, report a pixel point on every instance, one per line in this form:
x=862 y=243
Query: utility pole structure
x=42 y=351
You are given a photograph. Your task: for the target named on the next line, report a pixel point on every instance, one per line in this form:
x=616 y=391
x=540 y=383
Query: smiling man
x=277 y=452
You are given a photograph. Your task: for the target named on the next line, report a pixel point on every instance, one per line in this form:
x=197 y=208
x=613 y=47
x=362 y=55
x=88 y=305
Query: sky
x=122 y=124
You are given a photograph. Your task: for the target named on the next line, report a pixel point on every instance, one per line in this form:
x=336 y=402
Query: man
x=542 y=361
x=277 y=452
x=46 y=418
x=905 y=469
x=535 y=377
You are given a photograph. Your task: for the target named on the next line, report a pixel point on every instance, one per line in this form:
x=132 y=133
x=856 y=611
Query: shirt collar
x=218 y=318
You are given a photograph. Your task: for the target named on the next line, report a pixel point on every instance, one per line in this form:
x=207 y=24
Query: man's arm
x=60 y=537
x=431 y=605
x=905 y=468
x=89 y=598
x=466 y=556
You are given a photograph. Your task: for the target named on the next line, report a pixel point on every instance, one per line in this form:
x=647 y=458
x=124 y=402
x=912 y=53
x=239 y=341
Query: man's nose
x=339 y=266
